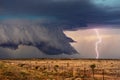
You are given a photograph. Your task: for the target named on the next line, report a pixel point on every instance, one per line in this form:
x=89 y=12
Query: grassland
x=48 y=69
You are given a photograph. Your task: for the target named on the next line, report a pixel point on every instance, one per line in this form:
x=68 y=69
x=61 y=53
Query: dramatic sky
x=59 y=28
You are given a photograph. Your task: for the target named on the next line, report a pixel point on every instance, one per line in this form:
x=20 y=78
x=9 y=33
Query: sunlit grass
x=59 y=69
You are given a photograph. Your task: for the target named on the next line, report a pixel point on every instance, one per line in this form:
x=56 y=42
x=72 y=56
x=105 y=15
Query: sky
x=86 y=39
x=59 y=28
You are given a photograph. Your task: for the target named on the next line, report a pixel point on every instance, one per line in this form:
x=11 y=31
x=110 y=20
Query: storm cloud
x=40 y=23
x=65 y=12
x=48 y=40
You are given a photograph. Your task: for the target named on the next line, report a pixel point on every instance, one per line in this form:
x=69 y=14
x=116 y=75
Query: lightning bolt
x=97 y=43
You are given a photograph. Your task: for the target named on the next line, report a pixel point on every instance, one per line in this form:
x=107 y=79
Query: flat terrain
x=47 y=69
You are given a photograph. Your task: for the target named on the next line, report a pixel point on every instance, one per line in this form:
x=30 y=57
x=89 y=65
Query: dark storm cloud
x=48 y=20
x=49 y=40
x=66 y=12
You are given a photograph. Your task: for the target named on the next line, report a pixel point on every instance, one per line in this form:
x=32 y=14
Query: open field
x=47 y=69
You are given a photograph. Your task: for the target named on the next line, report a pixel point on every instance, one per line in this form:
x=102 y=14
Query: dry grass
x=59 y=69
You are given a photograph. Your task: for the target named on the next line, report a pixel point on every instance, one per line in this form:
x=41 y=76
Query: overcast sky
x=29 y=28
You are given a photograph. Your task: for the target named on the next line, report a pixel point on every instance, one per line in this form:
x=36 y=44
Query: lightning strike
x=97 y=43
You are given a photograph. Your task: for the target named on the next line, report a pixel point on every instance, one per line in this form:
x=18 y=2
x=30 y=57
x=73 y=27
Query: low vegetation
x=60 y=70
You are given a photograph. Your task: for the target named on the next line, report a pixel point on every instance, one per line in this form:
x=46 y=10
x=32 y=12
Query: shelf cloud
x=41 y=23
